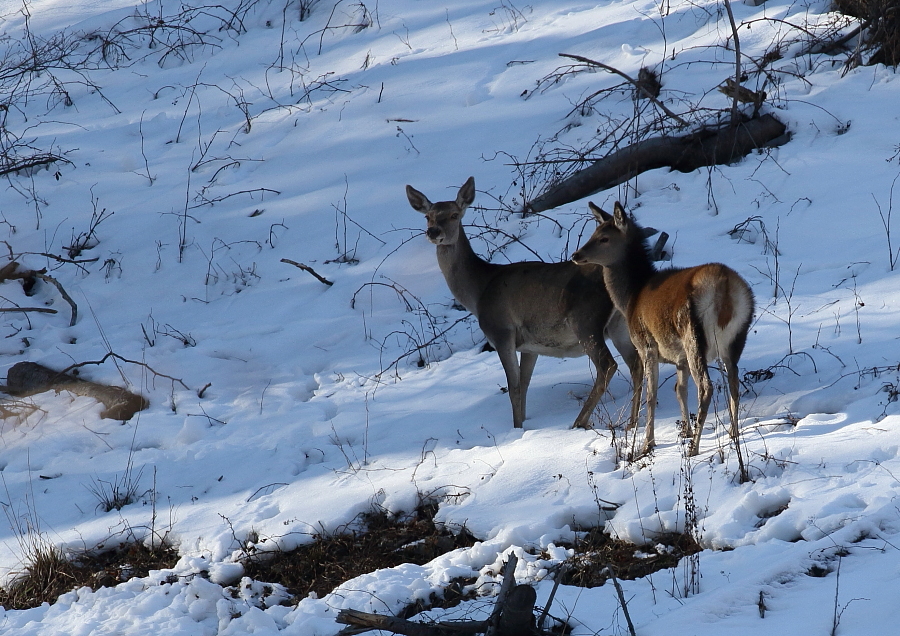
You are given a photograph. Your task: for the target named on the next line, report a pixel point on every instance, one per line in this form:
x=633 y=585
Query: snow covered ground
x=288 y=139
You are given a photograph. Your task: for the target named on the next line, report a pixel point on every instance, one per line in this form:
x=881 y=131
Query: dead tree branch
x=307 y=268
x=63 y=293
x=509 y=579
x=11 y=271
x=639 y=86
x=116 y=356
x=40 y=310
x=706 y=147
x=11 y=164
x=621 y=594
x=367 y=621
x=513 y=615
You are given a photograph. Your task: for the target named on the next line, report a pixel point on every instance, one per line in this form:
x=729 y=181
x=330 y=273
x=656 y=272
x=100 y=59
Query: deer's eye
x=603 y=239
x=454 y=216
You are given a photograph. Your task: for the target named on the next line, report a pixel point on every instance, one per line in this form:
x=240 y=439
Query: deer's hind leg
x=617 y=331
x=730 y=371
x=650 y=357
x=526 y=368
x=504 y=341
x=682 y=375
x=605 y=367
x=704 y=396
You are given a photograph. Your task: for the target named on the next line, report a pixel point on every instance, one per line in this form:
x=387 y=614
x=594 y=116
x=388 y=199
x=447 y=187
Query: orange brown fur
x=683 y=316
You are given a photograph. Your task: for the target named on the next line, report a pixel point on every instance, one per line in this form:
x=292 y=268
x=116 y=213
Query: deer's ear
x=466 y=194
x=417 y=200
x=620 y=217
x=599 y=214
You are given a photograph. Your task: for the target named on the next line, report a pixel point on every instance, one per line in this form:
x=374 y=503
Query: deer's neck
x=466 y=273
x=626 y=278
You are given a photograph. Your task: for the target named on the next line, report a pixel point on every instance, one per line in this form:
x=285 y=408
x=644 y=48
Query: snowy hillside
x=192 y=149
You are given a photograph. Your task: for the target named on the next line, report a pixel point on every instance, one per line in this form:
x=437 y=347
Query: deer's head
x=444 y=217
x=609 y=241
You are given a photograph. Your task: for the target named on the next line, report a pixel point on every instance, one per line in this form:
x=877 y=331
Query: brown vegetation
x=379 y=540
x=596 y=552
x=48 y=573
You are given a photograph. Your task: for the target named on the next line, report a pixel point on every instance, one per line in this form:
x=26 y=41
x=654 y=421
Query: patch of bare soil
x=376 y=540
x=596 y=551
x=373 y=541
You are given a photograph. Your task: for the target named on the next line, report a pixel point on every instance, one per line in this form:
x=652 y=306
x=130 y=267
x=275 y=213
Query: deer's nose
x=433 y=232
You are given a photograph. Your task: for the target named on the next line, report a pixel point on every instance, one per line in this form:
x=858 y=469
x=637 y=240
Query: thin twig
x=116 y=356
x=307 y=268
x=612 y=576
x=559 y=577
x=41 y=310
x=63 y=293
x=737 y=63
x=233 y=194
x=640 y=87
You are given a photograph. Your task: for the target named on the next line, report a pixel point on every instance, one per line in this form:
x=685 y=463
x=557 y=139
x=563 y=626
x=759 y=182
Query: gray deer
x=552 y=309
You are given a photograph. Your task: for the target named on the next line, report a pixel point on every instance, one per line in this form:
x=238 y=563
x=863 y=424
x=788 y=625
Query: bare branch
x=62 y=292
x=307 y=268
x=40 y=310
x=116 y=356
x=637 y=85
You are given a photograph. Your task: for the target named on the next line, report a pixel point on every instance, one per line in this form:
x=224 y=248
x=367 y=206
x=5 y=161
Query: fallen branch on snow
x=513 y=615
x=707 y=147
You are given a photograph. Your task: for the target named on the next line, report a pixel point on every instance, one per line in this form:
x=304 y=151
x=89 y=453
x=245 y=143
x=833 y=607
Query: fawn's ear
x=620 y=217
x=466 y=194
x=417 y=200
x=599 y=214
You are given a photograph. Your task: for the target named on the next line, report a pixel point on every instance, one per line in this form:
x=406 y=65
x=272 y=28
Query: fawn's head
x=609 y=242
x=444 y=217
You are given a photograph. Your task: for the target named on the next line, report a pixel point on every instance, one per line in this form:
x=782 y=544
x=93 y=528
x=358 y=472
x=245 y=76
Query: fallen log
x=513 y=615
x=30 y=378
x=366 y=621
x=707 y=147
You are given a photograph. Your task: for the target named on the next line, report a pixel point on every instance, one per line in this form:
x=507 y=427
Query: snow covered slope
x=211 y=144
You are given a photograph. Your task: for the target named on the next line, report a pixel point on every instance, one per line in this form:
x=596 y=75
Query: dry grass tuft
x=47 y=573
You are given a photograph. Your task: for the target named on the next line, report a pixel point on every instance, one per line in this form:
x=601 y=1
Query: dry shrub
x=47 y=573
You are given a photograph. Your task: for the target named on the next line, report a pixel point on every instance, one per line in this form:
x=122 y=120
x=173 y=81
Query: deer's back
x=547 y=304
x=711 y=298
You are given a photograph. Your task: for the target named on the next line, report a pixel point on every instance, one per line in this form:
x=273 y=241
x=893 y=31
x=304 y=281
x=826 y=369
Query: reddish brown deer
x=683 y=316
x=536 y=308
